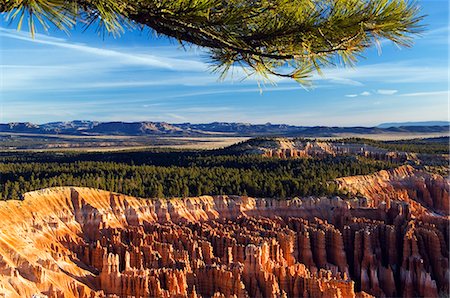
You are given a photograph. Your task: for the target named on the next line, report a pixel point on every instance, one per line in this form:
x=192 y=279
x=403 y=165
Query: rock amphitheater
x=80 y=242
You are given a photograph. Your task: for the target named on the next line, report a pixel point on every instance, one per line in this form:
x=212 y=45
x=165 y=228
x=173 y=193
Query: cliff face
x=422 y=190
x=285 y=148
x=292 y=148
x=79 y=242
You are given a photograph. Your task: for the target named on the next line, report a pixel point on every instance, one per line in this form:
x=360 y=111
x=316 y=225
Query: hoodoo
x=81 y=242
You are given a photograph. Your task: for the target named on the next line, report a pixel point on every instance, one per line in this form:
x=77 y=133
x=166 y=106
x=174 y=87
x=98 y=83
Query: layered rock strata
x=422 y=190
x=297 y=148
x=80 y=242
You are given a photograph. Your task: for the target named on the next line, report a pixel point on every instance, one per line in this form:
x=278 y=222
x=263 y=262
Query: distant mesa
x=409 y=124
x=148 y=128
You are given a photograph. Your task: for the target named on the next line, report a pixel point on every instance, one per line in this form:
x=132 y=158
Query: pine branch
x=266 y=35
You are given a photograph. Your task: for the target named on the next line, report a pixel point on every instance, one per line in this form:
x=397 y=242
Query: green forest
x=424 y=146
x=165 y=173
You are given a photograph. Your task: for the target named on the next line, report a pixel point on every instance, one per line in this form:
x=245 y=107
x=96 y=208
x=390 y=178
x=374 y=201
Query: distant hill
x=147 y=128
x=408 y=124
x=78 y=127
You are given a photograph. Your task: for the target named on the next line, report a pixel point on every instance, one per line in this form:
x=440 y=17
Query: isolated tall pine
x=284 y=38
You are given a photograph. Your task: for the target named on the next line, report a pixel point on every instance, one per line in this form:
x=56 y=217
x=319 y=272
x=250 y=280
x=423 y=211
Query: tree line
x=424 y=146
x=179 y=174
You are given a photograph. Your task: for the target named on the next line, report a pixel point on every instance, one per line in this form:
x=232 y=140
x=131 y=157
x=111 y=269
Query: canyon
x=391 y=239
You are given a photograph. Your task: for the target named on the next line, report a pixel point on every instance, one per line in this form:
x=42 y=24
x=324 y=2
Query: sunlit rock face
x=80 y=242
x=423 y=191
x=298 y=148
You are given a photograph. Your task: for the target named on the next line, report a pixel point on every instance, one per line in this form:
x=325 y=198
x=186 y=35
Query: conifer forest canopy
x=281 y=38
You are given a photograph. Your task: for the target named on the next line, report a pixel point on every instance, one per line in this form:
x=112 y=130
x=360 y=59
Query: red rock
x=217 y=247
x=425 y=192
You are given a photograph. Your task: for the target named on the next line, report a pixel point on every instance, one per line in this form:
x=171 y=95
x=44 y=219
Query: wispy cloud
x=181 y=80
x=393 y=92
x=236 y=91
x=65 y=66
x=413 y=71
x=387 y=91
x=364 y=93
x=428 y=93
x=205 y=109
x=176 y=116
x=438 y=36
x=117 y=56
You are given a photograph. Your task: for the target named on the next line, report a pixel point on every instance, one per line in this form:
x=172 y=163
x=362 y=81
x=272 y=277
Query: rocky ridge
x=80 y=242
x=300 y=148
x=425 y=192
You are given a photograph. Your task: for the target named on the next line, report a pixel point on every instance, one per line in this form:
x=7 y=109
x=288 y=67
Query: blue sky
x=137 y=77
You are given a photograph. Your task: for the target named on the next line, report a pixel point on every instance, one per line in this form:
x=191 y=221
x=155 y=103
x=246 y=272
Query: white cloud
x=236 y=91
x=438 y=36
x=176 y=116
x=197 y=80
x=386 y=91
x=337 y=80
x=379 y=91
x=205 y=109
x=364 y=93
x=26 y=36
x=114 y=55
x=61 y=65
x=413 y=71
x=430 y=93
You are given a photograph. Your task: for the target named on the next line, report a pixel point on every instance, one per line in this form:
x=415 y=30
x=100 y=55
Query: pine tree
x=185 y=191
x=159 y=191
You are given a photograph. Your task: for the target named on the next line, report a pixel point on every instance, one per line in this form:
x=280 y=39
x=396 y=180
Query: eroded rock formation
x=80 y=242
x=299 y=148
x=422 y=190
